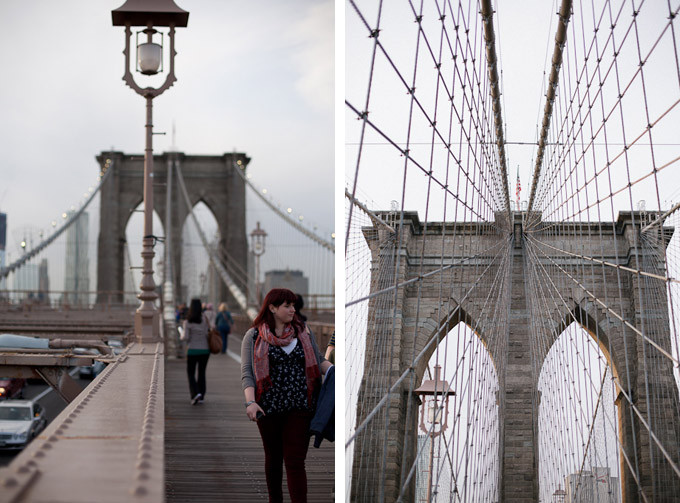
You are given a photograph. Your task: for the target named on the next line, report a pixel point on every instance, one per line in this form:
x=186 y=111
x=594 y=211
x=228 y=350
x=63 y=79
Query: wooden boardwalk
x=213 y=453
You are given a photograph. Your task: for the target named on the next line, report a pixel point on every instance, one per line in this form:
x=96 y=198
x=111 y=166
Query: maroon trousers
x=285 y=437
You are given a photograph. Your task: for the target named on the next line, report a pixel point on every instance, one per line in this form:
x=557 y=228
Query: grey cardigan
x=247 y=347
x=196 y=334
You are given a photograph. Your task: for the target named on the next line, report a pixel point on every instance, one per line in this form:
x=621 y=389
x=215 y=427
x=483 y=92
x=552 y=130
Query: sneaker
x=196 y=399
x=200 y=400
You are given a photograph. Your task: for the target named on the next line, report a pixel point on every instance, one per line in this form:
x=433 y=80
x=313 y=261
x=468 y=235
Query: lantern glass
x=149 y=56
x=435 y=412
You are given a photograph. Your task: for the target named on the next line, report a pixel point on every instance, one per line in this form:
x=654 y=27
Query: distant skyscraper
x=423 y=468
x=43 y=281
x=292 y=280
x=441 y=474
x=3 y=242
x=26 y=281
x=77 y=278
x=593 y=486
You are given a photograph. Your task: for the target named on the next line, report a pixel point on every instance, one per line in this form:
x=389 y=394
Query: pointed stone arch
x=580 y=333
x=192 y=257
x=133 y=233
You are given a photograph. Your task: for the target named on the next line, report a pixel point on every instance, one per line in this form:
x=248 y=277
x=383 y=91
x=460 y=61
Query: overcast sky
x=252 y=77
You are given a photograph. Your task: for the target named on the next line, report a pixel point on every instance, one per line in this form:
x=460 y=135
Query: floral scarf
x=261 y=358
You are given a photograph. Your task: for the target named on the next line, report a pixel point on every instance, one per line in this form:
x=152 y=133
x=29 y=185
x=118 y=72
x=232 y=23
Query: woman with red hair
x=281 y=369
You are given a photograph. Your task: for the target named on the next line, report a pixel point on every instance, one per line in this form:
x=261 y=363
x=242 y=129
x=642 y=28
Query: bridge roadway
x=132 y=435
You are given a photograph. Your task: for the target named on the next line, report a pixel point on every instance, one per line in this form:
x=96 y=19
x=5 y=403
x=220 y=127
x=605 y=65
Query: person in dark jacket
x=323 y=422
x=223 y=322
x=281 y=369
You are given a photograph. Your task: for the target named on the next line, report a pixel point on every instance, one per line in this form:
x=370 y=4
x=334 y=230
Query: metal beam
x=492 y=64
x=60 y=381
x=560 y=38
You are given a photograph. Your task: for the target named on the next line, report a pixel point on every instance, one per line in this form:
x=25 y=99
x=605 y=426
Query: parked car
x=20 y=421
x=11 y=387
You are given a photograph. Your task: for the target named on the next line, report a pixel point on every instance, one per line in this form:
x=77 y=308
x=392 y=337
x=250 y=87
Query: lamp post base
x=147 y=326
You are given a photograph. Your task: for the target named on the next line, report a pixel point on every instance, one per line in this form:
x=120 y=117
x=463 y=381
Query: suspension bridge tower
x=633 y=331
x=212 y=180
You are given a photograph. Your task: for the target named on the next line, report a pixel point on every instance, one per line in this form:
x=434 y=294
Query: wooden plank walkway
x=213 y=453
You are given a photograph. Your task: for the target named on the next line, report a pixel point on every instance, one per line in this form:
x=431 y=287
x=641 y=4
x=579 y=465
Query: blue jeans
x=224 y=332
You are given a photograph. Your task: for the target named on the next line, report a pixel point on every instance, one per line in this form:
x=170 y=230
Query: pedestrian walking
x=209 y=312
x=281 y=369
x=195 y=333
x=224 y=322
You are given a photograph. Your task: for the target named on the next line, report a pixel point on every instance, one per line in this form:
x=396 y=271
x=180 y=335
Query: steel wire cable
x=646 y=271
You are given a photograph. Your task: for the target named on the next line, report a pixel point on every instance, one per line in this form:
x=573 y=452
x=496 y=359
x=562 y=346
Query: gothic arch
x=579 y=334
x=456 y=316
x=594 y=322
x=195 y=256
x=133 y=231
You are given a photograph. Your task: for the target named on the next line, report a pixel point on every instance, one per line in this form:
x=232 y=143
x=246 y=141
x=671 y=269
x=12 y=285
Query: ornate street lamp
x=434 y=413
x=257 y=241
x=149 y=14
x=559 y=495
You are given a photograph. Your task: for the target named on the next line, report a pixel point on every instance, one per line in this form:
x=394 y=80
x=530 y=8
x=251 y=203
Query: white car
x=20 y=421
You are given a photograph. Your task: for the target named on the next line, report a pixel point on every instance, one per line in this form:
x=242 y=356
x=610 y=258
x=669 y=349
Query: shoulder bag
x=214 y=340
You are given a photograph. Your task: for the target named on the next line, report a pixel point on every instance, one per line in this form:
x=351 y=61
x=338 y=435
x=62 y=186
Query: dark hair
x=195 y=311
x=276 y=297
x=299 y=304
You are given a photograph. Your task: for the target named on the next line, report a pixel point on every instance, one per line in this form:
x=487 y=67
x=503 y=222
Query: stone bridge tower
x=210 y=179
x=646 y=379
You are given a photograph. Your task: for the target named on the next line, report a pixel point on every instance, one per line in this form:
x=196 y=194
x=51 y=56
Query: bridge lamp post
x=257 y=241
x=559 y=495
x=434 y=414
x=149 y=14
x=202 y=277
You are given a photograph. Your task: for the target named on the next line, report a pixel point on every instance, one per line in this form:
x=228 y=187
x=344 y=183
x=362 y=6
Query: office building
x=77 y=277
x=594 y=486
x=292 y=280
x=3 y=244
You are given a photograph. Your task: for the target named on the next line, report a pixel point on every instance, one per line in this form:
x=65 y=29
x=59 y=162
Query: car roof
x=14 y=403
